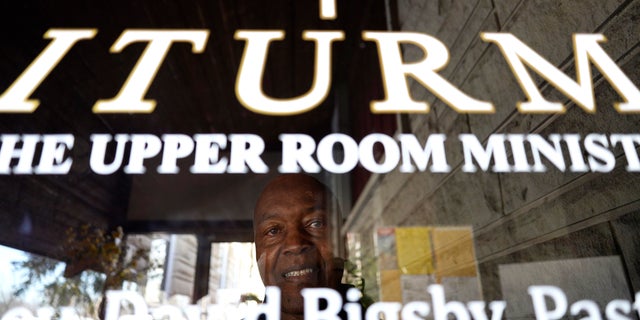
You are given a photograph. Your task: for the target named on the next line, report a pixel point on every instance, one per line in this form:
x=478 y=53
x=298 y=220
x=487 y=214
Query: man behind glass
x=292 y=234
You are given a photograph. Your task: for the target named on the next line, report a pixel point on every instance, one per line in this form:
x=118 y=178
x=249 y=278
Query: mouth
x=298 y=273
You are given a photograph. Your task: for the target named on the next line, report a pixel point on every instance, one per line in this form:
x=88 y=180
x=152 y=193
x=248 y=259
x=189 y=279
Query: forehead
x=296 y=199
x=291 y=194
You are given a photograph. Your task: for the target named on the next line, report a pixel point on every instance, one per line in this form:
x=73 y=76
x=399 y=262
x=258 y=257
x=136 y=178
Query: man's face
x=292 y=235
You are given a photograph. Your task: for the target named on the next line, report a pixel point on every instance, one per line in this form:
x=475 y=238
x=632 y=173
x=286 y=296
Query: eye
x=316 y=224
x=272 y=231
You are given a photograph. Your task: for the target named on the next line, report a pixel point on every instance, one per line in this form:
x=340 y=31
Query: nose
x=296 y=242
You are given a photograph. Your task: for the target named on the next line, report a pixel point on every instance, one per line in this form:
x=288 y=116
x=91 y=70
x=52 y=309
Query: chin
x=292 y=304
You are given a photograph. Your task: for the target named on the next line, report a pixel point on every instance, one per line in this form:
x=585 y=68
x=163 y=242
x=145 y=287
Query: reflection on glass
x=234 y=275
x=412 y=258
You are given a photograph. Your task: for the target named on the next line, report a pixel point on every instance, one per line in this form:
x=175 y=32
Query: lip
x=299 y=273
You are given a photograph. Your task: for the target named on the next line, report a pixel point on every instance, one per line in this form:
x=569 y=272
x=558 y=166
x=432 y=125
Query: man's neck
x=291 y=316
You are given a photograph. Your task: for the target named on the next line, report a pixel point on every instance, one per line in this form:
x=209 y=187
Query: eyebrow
x=268 y=216
x=308 y=211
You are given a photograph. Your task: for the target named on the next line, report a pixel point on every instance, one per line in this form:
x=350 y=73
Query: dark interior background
x=194 y=94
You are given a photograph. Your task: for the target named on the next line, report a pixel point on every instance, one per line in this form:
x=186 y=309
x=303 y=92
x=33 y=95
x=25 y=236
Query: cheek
x=325 y=251
x=325 y=247
x=266 y=265
x=261 y=266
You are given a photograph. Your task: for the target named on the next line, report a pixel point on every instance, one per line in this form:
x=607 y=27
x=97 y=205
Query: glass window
x=183 y=159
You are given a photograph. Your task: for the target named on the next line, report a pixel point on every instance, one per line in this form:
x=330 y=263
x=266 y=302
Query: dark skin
x=292 y=233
